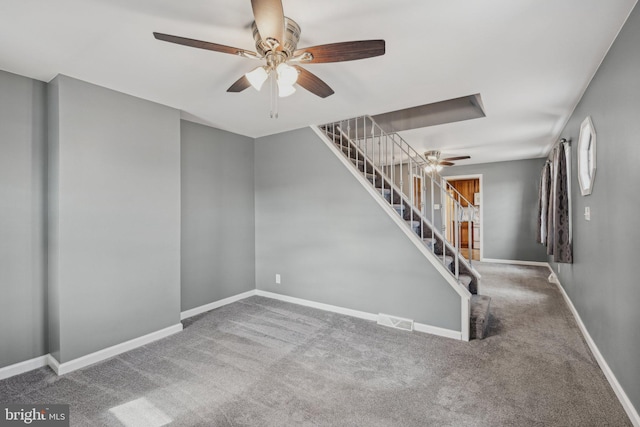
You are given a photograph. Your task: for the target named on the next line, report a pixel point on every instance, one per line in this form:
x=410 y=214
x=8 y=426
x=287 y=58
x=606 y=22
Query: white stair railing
x=394 y=167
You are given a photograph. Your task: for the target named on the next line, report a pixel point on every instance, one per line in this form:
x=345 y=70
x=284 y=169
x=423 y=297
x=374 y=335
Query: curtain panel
x=554 y=222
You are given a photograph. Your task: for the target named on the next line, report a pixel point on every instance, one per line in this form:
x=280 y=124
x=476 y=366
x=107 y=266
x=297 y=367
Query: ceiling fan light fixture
x=287 y=75
x=285 y=90
x=433 y=167
x=257 y=77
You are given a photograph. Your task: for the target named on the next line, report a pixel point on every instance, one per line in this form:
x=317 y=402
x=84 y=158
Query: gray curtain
x=543 y=202
x=562 y=250
x=554 y=193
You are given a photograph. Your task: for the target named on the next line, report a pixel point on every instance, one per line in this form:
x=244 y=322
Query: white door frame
x=412 y=190
x=482 y=218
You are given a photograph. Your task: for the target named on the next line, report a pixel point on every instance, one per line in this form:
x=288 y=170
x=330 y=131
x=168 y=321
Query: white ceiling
x=529 y=59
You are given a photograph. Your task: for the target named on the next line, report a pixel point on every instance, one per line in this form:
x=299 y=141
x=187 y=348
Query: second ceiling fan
x=276 y=40
x=435 y=163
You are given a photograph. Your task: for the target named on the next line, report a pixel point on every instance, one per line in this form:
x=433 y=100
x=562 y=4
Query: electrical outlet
x=277 y=279
x=587 y=213
x=436 y=206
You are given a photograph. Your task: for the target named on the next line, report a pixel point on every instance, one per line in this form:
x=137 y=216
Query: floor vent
x=395 y=322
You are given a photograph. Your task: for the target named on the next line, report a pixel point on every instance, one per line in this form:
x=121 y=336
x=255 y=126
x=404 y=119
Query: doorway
x=469 y=192
x=416 y=183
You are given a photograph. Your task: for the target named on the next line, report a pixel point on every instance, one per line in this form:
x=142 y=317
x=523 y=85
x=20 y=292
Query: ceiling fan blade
x=457 y=158
x=241 y=84
x=344 y=51
x=204 y=45
x=269 y=17
x=445 y=163
x=313 y=83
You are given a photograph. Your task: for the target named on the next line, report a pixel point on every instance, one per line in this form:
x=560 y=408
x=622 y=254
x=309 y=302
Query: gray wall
x=510 y=199
x=603 y=280
x=218 y=244
x=332 y=243
x=115 y=247
x=22 y=219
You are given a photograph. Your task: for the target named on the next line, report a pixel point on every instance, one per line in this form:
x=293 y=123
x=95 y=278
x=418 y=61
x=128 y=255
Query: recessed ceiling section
x=437 y=113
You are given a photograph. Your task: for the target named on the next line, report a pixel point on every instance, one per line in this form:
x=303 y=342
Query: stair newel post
x=373 y=144
x=457 y=237
x=433 y=214
x=423 y=177
x=401 y=171
x=380 y=151
x=469 y=239
x=443 y=219
x=354 y=142
x=365 y=142
x=423 y=198
x=386 y=154
x=409 y=173
x=393 y=166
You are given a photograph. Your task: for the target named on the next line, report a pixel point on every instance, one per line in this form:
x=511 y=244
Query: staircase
x=421 y=198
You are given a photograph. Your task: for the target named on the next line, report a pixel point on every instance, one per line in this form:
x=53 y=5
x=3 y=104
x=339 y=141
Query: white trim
x=515 y=262
x=100 y=355
x=631 y=411
x=216 y=304
x=53 y=364
x=320 y=306
x=434 y=330
x=22 y=367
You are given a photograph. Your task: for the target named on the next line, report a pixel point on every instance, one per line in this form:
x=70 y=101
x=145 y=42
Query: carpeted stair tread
x=429 y=241
x=349 y=151
x=399 y=208
x=375 y=180
x=447 y=260
x=415 y=226
x=465 y=280
x=386 y=193
x=479 y=318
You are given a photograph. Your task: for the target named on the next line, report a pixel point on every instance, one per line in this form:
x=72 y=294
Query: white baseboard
x=98 y=356
x=216 y=304
x=319 y=305
x=434 y=330
x=22 y=367
x=516 y=262
x=631 y=411
x=448 y=333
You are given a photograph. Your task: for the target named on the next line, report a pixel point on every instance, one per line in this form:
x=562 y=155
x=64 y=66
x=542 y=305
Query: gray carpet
x=261 y=362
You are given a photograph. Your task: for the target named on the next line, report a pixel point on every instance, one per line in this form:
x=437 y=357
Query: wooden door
x=464 y=235
x=467 y=188
x=417 y=192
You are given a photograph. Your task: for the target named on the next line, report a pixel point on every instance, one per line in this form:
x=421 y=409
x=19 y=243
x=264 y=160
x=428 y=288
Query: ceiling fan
x=435 y=163
x=276 y=39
